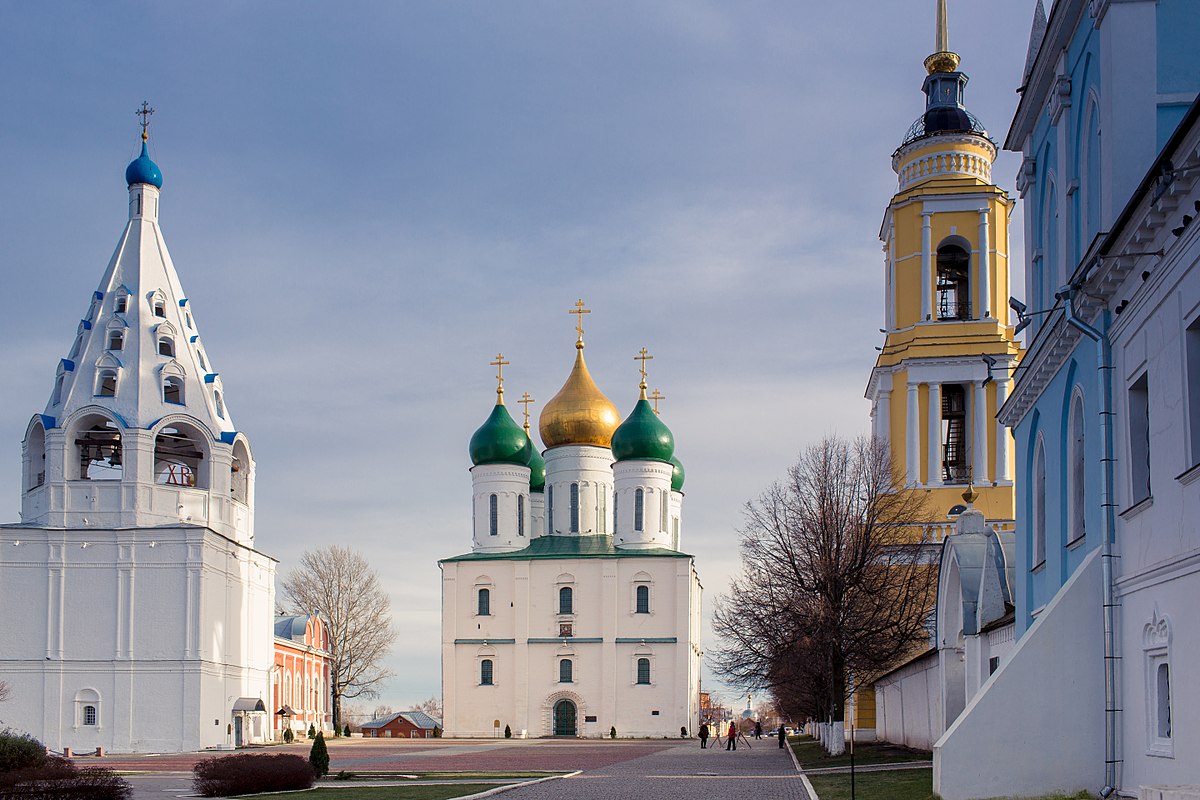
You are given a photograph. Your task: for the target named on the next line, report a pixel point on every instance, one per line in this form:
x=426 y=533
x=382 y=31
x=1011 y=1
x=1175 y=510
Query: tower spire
x=942 y=42
x=144 y=112
x=943 y=58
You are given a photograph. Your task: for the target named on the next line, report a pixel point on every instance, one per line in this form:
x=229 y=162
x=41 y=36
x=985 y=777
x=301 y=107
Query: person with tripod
x=731 y=744
x=703 y=735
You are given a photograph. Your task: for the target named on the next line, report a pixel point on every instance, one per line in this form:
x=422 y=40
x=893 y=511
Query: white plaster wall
x=908 y=705
x=654 y=479
x=510 y=484
x=590 y=467
x=1051 y=740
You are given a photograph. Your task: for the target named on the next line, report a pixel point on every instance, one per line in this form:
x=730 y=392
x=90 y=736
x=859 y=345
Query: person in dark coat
x=757 y=729
x=782 y=736
x=731 y=744
x=703 y=735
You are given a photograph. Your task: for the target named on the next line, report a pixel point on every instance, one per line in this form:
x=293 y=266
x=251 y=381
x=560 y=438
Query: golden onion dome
x=579 y=413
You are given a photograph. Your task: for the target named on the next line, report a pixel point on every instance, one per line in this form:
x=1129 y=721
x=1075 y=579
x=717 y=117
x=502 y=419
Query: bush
x=346 y=730
x=344 y=776
x=507 y=732
x=248 y=773
x=682 y=732
x=59 y=779
x=612 y=732
x=288 y=736
x=437 y=732
x=312 y=731
x=20 y=751
x=318 y=757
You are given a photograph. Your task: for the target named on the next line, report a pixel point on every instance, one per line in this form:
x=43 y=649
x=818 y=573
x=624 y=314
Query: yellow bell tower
x=946 y=364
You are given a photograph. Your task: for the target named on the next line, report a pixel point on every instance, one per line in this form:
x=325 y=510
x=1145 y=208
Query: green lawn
x=903 y=784
x=811 y=754
x=352 y=792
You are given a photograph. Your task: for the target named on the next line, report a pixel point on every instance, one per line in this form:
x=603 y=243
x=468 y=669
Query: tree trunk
x=837 y=707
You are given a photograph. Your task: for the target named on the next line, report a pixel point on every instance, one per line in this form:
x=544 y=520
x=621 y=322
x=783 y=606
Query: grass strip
x=351 y=792
x=811 y=754
x=906 y=784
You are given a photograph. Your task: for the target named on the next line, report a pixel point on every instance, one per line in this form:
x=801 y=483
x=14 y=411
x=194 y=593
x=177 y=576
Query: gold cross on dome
x=499 y=364
x=655 y=397
x=579 y=311
x=643 y=356
x=144 y=112
x=525 y=401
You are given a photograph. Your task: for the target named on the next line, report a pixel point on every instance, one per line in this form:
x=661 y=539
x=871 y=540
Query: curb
x=511 y=786
x=808 y=787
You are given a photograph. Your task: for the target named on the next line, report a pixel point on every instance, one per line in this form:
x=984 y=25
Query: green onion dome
x=500 y=440
x=643 y=436
x=677 y=475
x=537 y=469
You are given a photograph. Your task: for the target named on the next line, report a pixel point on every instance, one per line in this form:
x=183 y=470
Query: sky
x=366 y=201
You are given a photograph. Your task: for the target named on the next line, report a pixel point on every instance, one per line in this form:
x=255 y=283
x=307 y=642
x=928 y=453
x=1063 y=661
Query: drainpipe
x=1112 y=710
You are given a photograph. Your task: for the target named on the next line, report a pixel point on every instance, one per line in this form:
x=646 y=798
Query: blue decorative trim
x=647 y=640
x=97 y=295
x=210 y=377
x=193 y=338
x=566 y=640
x=182 y=302
x=87 y=324
x=228 y=436
x=485 y=641
x=66 y=365
x=48 y=421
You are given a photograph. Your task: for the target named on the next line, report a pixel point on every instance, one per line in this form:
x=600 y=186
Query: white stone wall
x=908 y=704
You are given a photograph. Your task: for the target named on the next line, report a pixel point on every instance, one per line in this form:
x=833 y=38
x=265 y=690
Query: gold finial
x=525 y=401
x=943 y=59
x=643 y=356
x=499 y=364
x=969 y=495
x=655 y=397
x=144 y=112
x=579 y=311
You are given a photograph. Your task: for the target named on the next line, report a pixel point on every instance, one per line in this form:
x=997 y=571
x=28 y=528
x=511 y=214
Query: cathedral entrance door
x=564 y=718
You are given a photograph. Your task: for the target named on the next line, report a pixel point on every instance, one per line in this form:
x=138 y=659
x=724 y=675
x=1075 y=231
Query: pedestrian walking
x=731 y=744
x=782 y=736
x=757 y=729
x=703 y=736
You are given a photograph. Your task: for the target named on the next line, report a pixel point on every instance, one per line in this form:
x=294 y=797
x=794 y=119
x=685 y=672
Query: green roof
x=569 y=547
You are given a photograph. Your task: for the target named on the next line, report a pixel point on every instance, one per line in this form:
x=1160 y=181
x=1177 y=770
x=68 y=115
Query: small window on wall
x=160 y=308
x=1192 y=346
x=602 y=511
x=1039 y=506
x=166 y=347
x=219 y=403
x=566 y=670
x=549 y=510
x=485 y=672
x=574 y=508
x=639 y=509
x=122 y=305
x=643 y=671
x=173 y=391
x=90 y=716
x=493 y=515
x=485 y=603
x=116 y=340
x=1162 y=700
x=643 y=599
x=521 y=515
x=662 y=509
x=106 y=383
x=1139 y=439
x=566 y=600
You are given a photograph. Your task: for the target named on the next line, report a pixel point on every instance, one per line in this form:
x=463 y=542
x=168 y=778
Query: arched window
x=59 y=381
x=219 y=403
x=203 y=363
x=520 y=515
x=160 y=307
x=953 y=282
x=99 y=449
x=106 y=383
x=122 y=304
x=87 y=707
x=639 y=508
x=662 y=510
x=1039 y=505
x=566 y=600
x=35 y=453
x=602 y=510
x=166 y=346
x=75 y=348
x=1076 y=456
x=178 y=457
x=485 y=603
x=642 y=594
x=493 y=515
x=239 y=469
x=616 y=509
x=485 y=672
x=549 y=510
x=566 y=669
x=116 y=340
x=173 y=390
x=955 y=466
x=643 y=671
x=574 y=508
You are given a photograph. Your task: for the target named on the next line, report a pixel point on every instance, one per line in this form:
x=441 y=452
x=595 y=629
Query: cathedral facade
x=575 y=613
x=145 y=611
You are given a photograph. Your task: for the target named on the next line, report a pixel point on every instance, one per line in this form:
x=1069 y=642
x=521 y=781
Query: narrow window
x=1192 y=345
x=58 y=388
x=116 y=340
x=521 y=515
x=565 y=671
x=89 y=715
x=173 y=391
x=160 y=308
x=203 y=363
x=549 y=509
x=643 y=599
x=639 y=504
x=954 y=434
x=166 y=347
x=566 y=600
x=1139 y=438
x=217 y=402
x=493 y=515
x=616 y=505
x=1162 y=687
x=106 y=385
x=1075 y=466
x=1039 y=506
x=485 y=603
x=574 y=508
x=122 y=304
x=187 y=317
x=643 y=671
x=953 y=283
x=76 y=347
x=485 y=672
x=602 y=510
x=662 y=511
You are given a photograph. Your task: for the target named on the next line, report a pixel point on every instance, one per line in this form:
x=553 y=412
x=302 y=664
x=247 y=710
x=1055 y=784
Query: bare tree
x=382 y=711
x=432 y=707
x=836 y=582
x=339 y=584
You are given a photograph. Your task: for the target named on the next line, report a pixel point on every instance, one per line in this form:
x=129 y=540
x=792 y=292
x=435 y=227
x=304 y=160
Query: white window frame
x=1156 y=646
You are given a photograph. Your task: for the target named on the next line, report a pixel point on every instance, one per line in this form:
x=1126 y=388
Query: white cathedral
x=575 y=613
x=139 y=612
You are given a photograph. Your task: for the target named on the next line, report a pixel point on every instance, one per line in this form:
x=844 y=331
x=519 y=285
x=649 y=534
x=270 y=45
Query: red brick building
x=301 y=687
x=405 y=725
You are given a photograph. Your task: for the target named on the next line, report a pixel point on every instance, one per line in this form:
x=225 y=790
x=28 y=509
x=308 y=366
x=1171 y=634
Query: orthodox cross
x=500 y=364
x=144 y=112
x=643 y=356
x=525 y=401
x=655 y=396
x=579 y=311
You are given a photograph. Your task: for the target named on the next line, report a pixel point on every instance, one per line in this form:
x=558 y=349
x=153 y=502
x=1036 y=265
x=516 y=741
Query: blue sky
x=367 y=200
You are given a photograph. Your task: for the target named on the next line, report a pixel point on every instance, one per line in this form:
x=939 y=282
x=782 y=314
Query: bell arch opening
x=179 y=457
x=98 y=450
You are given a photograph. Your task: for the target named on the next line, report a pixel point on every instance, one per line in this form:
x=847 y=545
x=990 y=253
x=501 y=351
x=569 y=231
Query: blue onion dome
x=537 y=469
x=677 y=475
x=143 y=170
x=500 y=440
x=643 y=436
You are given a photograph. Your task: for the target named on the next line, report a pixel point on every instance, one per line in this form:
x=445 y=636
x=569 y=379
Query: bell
x=115 y=458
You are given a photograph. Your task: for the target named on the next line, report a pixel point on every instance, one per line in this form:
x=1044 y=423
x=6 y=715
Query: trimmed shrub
x=346 y=730
x=507 y=732
x=59 y=779
x=312 y=731
x=288 y=736
x=318 y=757
x=249 y=773
x=682 y=732
x=20 y=751
x=437 y=732
x=612 y=732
